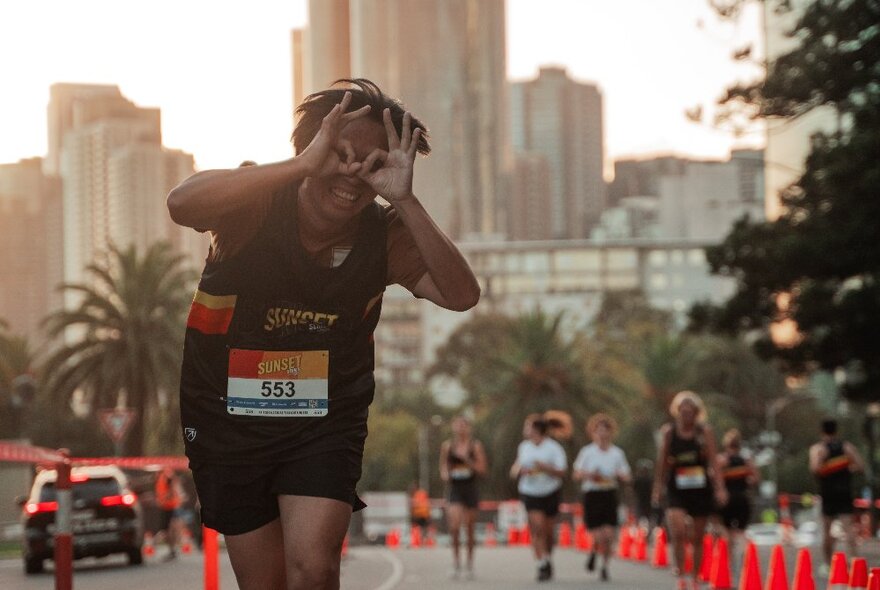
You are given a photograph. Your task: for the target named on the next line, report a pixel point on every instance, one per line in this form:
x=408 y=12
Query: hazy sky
x=220 y=70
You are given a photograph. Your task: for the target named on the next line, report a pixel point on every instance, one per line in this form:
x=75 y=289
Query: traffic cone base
x=777 y=578
x=839 y=578
x=750 y=577
x=660 y=556
x=719 y=574
x=803 y=572
x=858 y=578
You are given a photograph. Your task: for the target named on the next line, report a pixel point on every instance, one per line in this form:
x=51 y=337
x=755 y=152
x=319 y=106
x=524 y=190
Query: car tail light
x=79 y=478
x=37 y=507
x=123 y=500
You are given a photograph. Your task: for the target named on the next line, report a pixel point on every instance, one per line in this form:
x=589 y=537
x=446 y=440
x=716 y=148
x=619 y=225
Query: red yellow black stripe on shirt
x=739 y=472
x=834 y=465
x=211 y=314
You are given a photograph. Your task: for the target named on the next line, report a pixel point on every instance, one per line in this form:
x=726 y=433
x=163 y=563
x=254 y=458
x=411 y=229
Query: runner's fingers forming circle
x=391 y=132
x=345 y=147
x=377 y=155
x=349 y=117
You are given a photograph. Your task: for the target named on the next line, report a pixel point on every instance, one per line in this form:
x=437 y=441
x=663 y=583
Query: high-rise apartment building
x=115 y=177
x=561 y=119
x=30 y=245
x=445 y=59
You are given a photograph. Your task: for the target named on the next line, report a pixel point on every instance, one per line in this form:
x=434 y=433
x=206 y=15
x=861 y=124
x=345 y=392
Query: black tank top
x=687 y=461
x=736 y=474
x=459 y=471
x=834 y=475
x=269 y=329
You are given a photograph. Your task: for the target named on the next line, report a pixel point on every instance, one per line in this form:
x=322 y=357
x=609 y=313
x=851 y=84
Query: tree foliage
x=821 y=257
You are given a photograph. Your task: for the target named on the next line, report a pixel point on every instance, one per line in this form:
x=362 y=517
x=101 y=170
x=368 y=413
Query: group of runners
x=277 y=375
x=696 y=482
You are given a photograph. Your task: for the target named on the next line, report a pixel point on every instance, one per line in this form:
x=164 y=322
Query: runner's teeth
x=344 y=195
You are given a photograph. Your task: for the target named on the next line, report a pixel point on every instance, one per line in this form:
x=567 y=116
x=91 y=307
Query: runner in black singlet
x=462 y=461
x=687 y=470
x=740 y=477
x=833 y=461
x=278 y=359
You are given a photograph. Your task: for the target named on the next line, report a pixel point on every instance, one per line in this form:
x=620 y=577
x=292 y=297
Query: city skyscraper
x=31 y=266
x=445 y=59
x=561 y=119
x=115 y=177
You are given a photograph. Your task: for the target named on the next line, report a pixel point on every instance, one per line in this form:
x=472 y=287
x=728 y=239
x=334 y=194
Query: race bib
x=690 y=478
x=460 y=473
x=278 y=383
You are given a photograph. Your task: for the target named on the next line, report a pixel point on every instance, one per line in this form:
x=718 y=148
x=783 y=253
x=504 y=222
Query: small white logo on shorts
x=190 y=434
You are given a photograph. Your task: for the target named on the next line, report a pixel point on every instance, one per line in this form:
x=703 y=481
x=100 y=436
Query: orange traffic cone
x=660 y=556
x=491 y=540
x=750 y=578
x=874 y=579
x=777 y=578
x=803 y=572
x=580 y=537
x=415 y=537
x=858 y=577
x=565 y=535
x=512 y=536
x=688 y=559
x=345 y=545
x=186 y=542
x=525 y=535
x=706 y=561
x=719 y=574
x=624 y=545
x=431 y=541
x=640 y=547
x=392 y=539
x=149 y=550
x=839 y=579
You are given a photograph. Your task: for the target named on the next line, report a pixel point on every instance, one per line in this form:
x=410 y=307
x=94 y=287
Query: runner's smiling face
x=341 y=196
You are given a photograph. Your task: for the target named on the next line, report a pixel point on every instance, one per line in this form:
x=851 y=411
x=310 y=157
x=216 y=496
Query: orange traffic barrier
x=706 y=561
x=640 y=547
x=660 y=556
x=719 y=575
x=839 y=579
x=415 y=537
x=149 y=550
x=777 y=577
x=803 y=572
x=858 y=577
x=874 y=579
x=750 y=577
x=565 y=535
x=624 y=544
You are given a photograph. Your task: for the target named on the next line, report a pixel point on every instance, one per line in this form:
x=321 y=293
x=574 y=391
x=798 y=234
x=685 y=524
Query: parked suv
x=106 y=516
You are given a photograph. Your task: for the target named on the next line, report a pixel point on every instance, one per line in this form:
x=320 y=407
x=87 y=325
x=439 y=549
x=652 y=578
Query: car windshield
x=90 y=490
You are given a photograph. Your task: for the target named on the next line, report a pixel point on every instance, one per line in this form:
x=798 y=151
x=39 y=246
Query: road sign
x=116 y=422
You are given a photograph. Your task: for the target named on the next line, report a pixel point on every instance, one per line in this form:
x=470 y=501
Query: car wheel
x=135 y=557
x=33 y=565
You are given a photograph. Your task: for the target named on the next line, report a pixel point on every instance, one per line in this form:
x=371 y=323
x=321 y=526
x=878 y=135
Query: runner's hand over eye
x=390 y=173
x=326 y=155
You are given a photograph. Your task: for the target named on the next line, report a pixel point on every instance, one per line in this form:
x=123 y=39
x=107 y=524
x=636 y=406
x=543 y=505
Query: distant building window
x=676 y=257
x=659 y=281
x=697 y=257
x=658 y=258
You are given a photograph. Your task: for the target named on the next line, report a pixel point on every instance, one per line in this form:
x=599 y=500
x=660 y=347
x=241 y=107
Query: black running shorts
x=237 y=499
x=549 y=504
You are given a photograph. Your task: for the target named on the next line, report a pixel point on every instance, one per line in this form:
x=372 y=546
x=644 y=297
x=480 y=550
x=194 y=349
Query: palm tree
x=16 y=381
x=124 y=338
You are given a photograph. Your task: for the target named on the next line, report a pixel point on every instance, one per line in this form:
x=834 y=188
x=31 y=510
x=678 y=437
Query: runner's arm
x=661 y=467
x=444 y=458
x=856 y=464
x=480 y=461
